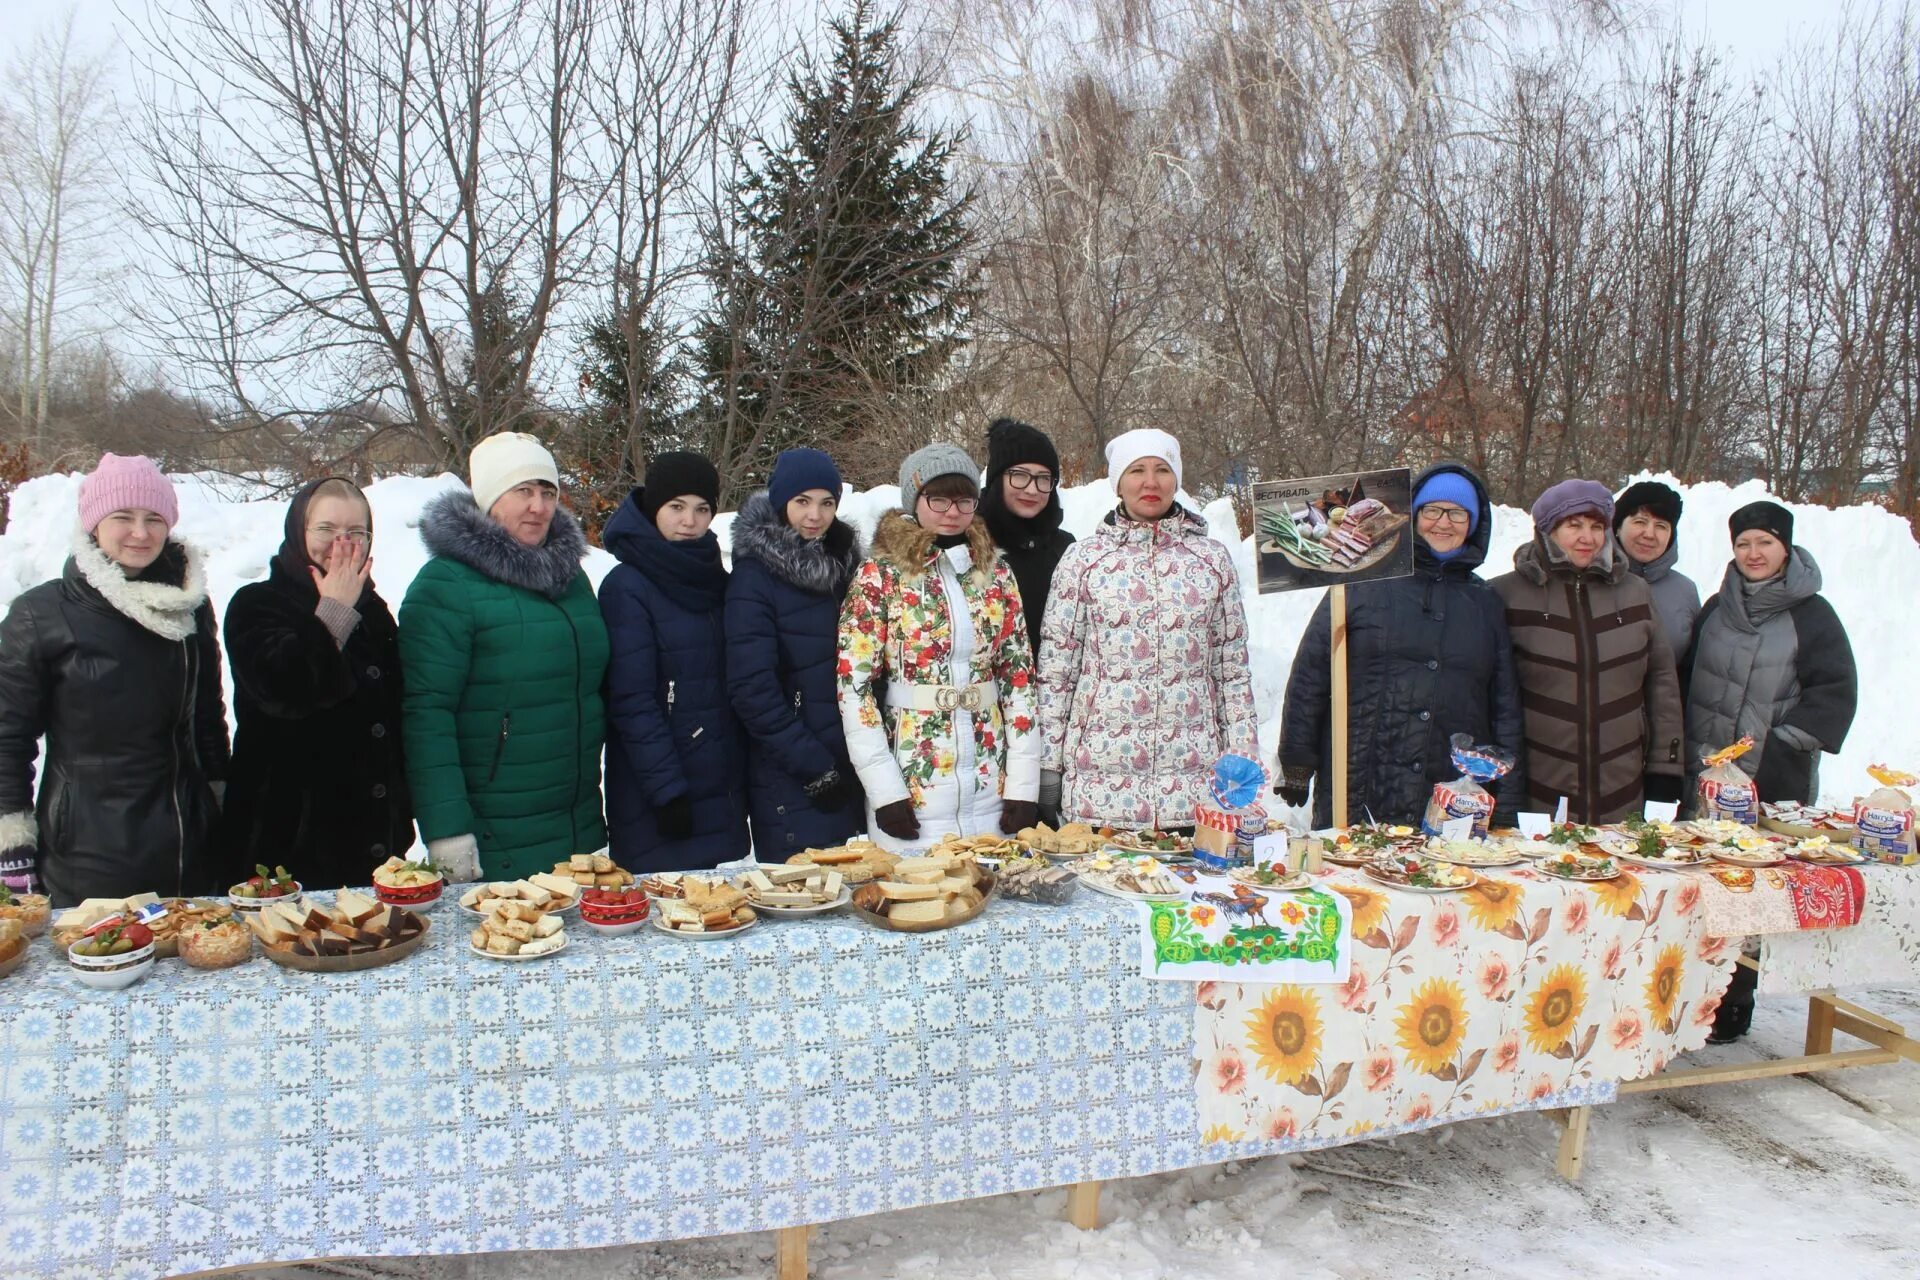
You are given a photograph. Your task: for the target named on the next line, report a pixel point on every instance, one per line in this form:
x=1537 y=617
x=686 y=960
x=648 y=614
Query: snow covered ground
x=1869 y=557
x=1770 y=1180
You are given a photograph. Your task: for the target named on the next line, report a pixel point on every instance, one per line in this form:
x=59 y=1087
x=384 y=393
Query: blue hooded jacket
x=783 y=621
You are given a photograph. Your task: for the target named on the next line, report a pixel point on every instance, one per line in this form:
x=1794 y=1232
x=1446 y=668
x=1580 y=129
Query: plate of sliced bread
x=356 y=932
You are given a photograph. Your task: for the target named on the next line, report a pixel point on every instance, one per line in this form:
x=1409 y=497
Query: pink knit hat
x=122 y=484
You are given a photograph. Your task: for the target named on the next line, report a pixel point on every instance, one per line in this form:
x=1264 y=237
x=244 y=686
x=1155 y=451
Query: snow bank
x=1868 y=555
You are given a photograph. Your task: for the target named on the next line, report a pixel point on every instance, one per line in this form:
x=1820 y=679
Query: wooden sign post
x=1337 y=602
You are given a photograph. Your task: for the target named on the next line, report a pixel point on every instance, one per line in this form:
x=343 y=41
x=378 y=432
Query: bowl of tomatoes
x=614 y=912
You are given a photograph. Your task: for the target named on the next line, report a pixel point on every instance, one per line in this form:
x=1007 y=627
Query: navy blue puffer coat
x=1427 y=657
x=783 y=620
x=670 y=732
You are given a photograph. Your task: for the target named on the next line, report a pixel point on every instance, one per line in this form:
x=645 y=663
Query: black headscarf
x=291 y=561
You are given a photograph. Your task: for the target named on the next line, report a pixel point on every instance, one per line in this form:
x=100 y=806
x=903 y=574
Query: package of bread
x=1885 y=819
x=1724 y=792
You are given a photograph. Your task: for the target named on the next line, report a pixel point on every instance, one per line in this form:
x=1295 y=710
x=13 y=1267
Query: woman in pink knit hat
x=116 y=664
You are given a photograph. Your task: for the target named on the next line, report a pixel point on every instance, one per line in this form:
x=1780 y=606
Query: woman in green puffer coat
x=503 y=649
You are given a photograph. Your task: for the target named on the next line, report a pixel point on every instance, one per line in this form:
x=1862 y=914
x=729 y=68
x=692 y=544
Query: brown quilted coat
x=1597 y=683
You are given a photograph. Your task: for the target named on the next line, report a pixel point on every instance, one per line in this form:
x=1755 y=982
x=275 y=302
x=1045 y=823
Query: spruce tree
x=845 y=289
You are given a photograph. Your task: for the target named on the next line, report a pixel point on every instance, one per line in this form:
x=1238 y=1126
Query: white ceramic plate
x=1391 y=883
x=481 y=951
x=1658 y=864
x=819 y=909
x=659 y=922
x=1245 y=876
x=1122 y=894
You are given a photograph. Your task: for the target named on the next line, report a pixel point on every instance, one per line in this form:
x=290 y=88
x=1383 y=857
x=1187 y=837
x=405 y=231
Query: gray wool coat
x=1775 y=665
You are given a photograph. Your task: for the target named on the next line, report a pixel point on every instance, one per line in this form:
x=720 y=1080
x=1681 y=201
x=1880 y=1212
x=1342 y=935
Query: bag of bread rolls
x=1886 y=818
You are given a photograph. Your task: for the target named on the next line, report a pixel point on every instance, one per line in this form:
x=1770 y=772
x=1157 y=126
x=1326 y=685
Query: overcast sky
x=1752 y=31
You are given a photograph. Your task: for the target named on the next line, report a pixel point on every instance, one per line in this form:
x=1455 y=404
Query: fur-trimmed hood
x=900 y=542
x=161 y=607
x=454 y=526
x=823 y=565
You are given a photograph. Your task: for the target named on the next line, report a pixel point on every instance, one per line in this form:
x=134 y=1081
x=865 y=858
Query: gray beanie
x=923 y=466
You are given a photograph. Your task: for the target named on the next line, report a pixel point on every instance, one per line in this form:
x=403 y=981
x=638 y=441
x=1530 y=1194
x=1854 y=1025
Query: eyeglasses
x=328 y=532
x=1041 y=480
x=1451 y=515
x=941 y=506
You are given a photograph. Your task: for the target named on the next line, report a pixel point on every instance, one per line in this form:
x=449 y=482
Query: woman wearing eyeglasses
x=316 y=665
x=935 y=676
x=1023 y=512
x=1144 y=678
x=1427 y=657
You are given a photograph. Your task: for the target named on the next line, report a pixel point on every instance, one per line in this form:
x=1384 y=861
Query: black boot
x=1735 y=1017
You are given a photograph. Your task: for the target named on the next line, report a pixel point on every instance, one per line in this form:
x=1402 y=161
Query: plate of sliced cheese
x=794 y=889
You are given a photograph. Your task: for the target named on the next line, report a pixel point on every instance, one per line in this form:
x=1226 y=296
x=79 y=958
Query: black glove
x=1293 y=783
x=829 y=792
x=897 y=820
x=674 y=818
x=1504 y=820
x=1663 y=788
x=1017 y=815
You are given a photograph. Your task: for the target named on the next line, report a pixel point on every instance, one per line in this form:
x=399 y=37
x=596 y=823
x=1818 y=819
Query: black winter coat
x=1427 y=657
x=319 y=780
x=1031 y=548
x=670 y=730
x=783 y=621
x=122 y=677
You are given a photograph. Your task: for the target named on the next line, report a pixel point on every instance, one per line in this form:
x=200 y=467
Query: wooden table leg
x=1819 y=1023
x=790 y=1253
x=1083 y=1205
x=1573 y=1141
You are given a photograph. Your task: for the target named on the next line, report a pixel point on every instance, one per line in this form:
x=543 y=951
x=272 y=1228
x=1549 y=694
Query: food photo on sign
x=1322 y=531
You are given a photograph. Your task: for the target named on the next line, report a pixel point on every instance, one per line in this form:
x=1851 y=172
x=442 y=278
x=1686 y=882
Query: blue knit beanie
x=797 y=470
x=1451 y=486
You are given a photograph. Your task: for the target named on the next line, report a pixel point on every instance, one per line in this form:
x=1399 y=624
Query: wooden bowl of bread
x=920 y=895
x=356 y=932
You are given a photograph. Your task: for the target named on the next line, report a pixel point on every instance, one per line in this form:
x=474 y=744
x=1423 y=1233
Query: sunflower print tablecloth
x=1501 y=997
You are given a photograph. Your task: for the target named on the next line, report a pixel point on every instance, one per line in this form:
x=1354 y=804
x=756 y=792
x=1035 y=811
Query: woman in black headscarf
x=319 y=782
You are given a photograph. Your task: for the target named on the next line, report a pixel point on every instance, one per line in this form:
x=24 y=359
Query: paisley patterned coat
x=1144 y=680
x=898 y=627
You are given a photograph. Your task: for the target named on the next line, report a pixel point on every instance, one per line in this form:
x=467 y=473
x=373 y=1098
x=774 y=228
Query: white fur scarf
x=165 y=610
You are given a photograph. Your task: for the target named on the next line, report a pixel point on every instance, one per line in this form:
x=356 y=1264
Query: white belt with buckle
x=942 y=697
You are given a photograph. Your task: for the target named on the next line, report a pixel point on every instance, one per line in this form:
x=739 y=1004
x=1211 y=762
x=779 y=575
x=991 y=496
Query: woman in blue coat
x=792 y=561
x=676 y=793
x=1428 y=657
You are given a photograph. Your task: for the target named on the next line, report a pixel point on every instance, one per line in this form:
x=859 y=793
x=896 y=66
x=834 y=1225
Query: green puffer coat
x=504 y=650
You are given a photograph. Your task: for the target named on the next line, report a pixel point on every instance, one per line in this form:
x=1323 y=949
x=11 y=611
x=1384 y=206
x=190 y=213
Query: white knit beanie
x=1129 y=447
x=502 y=461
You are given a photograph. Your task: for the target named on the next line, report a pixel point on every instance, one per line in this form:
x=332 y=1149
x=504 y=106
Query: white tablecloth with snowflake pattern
x=626 y=1090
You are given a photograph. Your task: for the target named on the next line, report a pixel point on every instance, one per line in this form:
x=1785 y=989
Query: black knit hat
x=1769 y=517
x=675 y=475
x=1663 y=501
x=1011 y=442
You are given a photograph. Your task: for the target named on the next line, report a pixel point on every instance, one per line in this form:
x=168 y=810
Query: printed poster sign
x=1227 y=931
x=1320 y=531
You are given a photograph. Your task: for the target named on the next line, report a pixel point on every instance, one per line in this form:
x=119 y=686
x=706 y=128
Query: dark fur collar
x=454 y=526
x=824 y=566
x=899 y=542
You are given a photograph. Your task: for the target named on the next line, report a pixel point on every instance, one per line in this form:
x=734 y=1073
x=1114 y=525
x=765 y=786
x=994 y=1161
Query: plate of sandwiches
x=794 y=889
x=857 y=861
x=517 y=930
x=541 y=889
x=356 y=932
x=704 y=910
